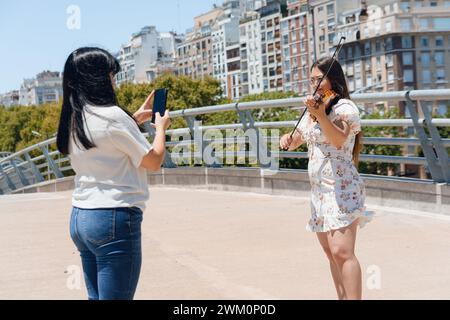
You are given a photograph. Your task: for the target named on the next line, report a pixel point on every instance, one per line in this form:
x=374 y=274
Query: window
x=441 y=23
x=358 y=83
x=390 y=76
x=439 y=41
x=388 y=26
x=389 y=60
x=330 y=9
x=405 y=24
x=330 y=23
x=406 y=42
x=439 y=58
x=440 y=74
x=367 y=50
x=433 y=4
x=442 y=109
x=408 y=75
x=331 y=37
x=368 y=80
x=388 y=44
x=350 y=52
x=404 y=6
x=407 y=58
x=426 y=76
x=378 y=46
x=425 y=59
x=351 y=85
x=293 y=36
x=294 y=49
x=423 y=23
x=424 y=41
x=357 y=51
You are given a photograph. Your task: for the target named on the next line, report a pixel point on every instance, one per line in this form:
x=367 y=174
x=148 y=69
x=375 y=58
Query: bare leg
x=335 y=272
x=342 y=247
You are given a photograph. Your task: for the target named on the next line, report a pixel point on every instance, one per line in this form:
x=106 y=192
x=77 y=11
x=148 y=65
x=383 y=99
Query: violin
x=325 y=98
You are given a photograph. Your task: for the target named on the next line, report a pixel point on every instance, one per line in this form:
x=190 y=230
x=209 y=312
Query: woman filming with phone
x=332 y=131
x=110 y=157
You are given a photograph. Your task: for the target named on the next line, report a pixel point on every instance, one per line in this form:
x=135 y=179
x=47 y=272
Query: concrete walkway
x=200 y=244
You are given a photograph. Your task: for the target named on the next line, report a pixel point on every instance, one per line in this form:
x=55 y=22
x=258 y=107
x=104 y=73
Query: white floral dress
x=337 y=191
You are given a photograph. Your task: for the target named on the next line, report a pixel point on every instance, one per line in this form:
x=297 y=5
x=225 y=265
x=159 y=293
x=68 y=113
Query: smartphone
x=159 y=102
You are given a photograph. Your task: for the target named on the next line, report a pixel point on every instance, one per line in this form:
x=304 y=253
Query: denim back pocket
x=99 y=226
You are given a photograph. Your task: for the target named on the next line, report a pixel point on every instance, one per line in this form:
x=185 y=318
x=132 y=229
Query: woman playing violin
x=332 y=132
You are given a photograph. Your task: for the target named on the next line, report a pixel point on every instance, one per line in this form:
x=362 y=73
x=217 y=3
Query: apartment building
x=397 y=45
x=45 y=88
x=225 y=35
x=296 y=47
x=10 y=99
x=195 y=54
x=250 y=54
x=148 y=54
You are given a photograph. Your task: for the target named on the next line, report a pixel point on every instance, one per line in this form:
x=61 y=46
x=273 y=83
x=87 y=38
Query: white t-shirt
x=109 y=176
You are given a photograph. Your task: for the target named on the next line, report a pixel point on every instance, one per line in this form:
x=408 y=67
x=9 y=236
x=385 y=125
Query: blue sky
x=34 y=34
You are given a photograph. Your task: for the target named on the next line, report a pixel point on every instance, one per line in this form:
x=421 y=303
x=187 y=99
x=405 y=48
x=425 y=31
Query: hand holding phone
x=159 y=103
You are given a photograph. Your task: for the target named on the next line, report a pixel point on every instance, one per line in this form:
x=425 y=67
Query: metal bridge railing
x=21 y=169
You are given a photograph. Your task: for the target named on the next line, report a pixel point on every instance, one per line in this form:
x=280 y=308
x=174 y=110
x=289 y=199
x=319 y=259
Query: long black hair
x=336 y=77
x=86 y=80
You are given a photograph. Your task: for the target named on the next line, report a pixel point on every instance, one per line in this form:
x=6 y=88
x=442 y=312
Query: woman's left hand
x=144 y=113
x=315 y=109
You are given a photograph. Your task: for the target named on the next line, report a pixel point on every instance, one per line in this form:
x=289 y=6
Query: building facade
x=148 y=54
x=45 y=88
x=250 y=54
x=195 y=54
x=10 y=99
x=397 y=45
x=225 y=35
x=270 y=19
x=297 y=47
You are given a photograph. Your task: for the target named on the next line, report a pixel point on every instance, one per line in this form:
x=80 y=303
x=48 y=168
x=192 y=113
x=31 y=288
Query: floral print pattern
x=337 y=191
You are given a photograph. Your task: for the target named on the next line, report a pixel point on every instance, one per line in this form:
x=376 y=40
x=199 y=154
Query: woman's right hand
x=286 y=141
x=162 y=123
x=290 y=143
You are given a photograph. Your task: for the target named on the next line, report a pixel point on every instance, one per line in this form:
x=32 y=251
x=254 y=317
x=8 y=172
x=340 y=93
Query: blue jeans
x=109 y=242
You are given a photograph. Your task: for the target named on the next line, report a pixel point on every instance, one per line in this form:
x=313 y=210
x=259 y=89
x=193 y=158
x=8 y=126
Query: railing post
x=10 y=183
x=22 y=177
x=437 y=143
x=51 y=163
x=36 y=172
x=190 y=121
x=194 y=131
x=435 y=170
x=246 y=118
